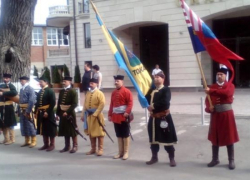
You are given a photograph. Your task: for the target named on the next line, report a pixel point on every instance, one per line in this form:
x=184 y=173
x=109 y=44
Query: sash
x=119 y=109
x=86 y=114
x=6 y=103
x=23 y=107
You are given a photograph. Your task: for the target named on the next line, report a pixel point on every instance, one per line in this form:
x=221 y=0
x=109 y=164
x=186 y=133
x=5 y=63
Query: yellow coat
x=96 y=100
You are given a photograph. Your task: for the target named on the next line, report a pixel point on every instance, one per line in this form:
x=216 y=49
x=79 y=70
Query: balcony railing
x=59 y=10
x=58 y=52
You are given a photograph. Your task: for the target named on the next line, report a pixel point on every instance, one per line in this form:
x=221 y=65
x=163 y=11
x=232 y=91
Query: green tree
x=56 y=78
x=46 y=74
x=77 y=77
x=35 y=73
x=66 y=70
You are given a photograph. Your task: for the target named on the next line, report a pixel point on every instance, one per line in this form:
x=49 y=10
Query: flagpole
x=203 y=78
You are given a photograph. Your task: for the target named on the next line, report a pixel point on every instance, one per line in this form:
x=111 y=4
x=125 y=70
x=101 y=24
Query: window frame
x=86 y=45
x=37 y=34
x=56 y=33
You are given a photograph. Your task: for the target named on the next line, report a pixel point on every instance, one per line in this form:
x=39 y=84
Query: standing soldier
x=46 y=123
x=120 y=107
x=27 y=121
x=161 y=128
x=222 y=131
x=93 y=117
x=7 y=118
x=67 y=102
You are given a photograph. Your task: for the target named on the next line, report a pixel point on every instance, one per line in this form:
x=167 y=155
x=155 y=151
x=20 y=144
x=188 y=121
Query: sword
x=130 y=134
x=104 y=129
x=30 y=119
x=70 y=118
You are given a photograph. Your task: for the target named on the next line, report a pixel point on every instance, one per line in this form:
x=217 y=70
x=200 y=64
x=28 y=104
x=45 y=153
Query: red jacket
x=119 y=97
x=222 y=130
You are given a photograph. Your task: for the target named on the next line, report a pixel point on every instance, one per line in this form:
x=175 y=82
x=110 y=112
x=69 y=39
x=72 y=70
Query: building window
x=56 y=37
x=79 y=8
x=37 y=36
x=85 y=6
x=87 y=35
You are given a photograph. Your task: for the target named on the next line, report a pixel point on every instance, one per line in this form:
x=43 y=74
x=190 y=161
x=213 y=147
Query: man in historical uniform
x=93 y=117
x=67 y=102
x=120 y=107
x=7 y=113
x=27 y=119
x=46 y=123
x=161 y=128
x=222 y=131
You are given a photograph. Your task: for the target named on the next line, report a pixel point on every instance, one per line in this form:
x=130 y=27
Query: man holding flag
x=222 y=130
x=161 y=128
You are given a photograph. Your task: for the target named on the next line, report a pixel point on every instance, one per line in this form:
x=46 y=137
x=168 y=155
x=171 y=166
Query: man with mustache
x=161 y=129
x=7 y=113
x=67 y=102
x=27 y=121
x=46 y=123
x=222 y=130
x=120 y=107
x=92 y=117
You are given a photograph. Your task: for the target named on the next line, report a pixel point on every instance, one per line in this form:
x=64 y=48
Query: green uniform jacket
x=67 y=97
x=46 y=126
x=8 y=117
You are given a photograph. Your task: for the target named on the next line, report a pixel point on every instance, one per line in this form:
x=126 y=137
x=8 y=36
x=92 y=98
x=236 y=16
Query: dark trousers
x=156 y=147
x=122 y=130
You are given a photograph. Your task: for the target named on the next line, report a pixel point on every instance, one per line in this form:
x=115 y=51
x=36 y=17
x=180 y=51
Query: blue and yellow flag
x=127 y=61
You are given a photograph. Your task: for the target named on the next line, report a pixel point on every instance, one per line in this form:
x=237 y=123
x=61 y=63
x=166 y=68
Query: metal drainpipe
x=74 y=11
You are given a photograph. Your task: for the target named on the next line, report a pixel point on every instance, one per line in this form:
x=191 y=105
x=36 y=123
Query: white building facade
x=156 y=31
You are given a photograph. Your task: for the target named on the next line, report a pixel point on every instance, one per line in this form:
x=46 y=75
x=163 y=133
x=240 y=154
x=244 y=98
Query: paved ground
x=193 y=152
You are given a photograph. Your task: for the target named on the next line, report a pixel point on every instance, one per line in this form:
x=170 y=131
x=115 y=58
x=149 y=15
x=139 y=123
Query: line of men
x=161 y=129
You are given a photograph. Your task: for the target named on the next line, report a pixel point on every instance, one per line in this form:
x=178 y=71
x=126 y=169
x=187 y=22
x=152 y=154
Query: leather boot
x=230 y=152
x=215 y=158
x=75 y=145
x=26 y=142
x=33 y=142
x=154 y=158
x=171 y=157
x=11 y=136
x=45 y=143
x=100 y=145
x=67 y=144
x=52 y=144
x=120 y=148
x=125 y=148
x=93 y=146
x=5 y=135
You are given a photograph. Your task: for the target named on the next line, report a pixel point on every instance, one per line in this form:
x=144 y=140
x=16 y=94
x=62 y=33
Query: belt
x=222 y=107
x=6 y=103
x=64 y=107
x=5 y=89
x=160 y=114
x=23 y=106
x=43 y=107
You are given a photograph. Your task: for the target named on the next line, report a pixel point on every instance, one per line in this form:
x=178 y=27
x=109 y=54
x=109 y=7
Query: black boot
x=230 y=152
x=170 y=150
x=67 y=144
x=154 y=158
x=215 y=158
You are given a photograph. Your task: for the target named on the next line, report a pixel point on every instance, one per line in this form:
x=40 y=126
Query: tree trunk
x=16 y=24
